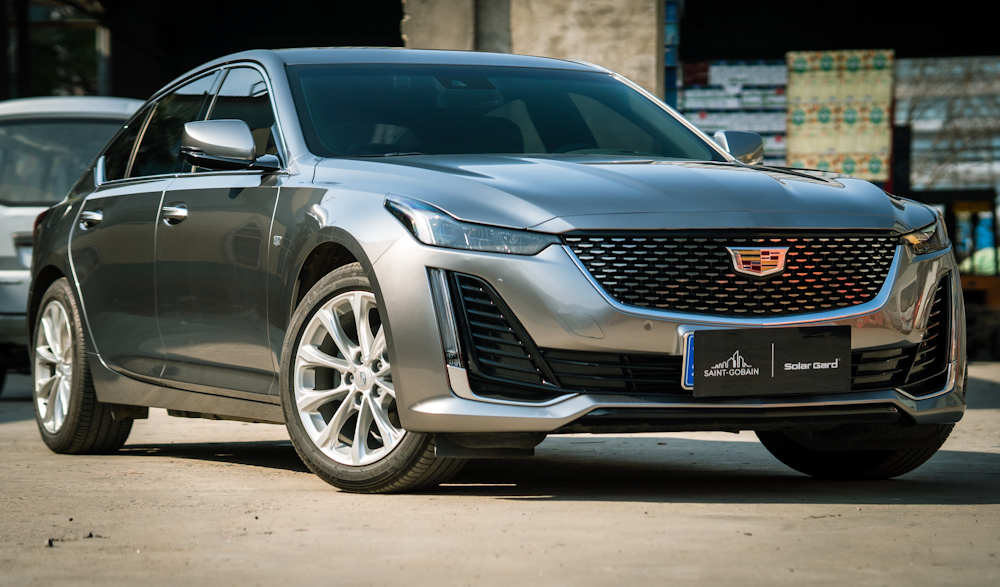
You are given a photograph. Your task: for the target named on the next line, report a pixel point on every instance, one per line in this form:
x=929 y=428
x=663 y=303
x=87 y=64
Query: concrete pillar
x=493 y=26
x=623 y=35
x=439 y=24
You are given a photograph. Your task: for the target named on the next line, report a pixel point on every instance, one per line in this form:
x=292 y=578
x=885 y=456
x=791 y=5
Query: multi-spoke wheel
x=338 y=394
x=343 y=382
x=70 y=418
x=53 y=366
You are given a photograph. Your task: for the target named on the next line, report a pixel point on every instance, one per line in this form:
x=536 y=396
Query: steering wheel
x=575 y=147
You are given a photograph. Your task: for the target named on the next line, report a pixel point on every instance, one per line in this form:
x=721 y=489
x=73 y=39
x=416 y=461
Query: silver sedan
x=413 y=258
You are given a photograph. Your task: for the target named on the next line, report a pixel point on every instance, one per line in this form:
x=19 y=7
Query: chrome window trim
x=869 y=307
x=128 y=180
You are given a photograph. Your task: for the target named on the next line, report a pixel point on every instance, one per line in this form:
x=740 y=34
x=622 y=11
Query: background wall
x=623 y=35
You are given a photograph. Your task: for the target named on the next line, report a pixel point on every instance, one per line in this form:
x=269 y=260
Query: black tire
x=3 y=379
x=88 y=427
x=410 y=466
x=849 y=464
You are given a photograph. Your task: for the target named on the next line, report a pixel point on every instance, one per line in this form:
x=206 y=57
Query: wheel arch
x=333 y=248
x=45 y=277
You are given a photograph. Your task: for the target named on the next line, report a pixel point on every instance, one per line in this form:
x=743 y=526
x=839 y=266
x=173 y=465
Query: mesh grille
x=694 y=272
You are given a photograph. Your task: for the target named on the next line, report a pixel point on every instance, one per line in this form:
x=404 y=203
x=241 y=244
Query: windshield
x=41 y=160
x=399 y=109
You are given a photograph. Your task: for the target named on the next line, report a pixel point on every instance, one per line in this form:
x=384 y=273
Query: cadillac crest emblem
x=758 y=261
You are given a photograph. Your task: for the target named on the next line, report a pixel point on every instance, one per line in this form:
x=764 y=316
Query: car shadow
x=16 y=409
x=983 y=394
x=700 y=471
x=268 y=454
x=653 y=469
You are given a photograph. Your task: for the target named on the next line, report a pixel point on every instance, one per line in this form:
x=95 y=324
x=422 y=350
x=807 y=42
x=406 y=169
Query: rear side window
x=244 y=96
x=160 y=143
x=119 y=152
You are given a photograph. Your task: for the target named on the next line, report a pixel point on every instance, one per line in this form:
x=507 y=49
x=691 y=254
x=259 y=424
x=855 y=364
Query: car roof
x=428 y=56
x=69 y=106
x=278 y=58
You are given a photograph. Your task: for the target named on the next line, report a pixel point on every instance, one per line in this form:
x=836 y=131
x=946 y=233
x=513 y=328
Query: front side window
x=378 y=109
x=244 y=96
x=40 y=160
x=160 y=145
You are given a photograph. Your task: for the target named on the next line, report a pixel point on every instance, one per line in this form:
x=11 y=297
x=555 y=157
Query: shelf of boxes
x=839 y=106
x=742 y=96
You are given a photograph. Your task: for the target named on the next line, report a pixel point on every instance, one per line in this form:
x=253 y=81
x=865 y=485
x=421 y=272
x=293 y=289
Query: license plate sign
x=769 y=361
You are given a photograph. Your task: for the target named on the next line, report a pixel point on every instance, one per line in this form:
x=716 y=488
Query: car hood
x=571 y=192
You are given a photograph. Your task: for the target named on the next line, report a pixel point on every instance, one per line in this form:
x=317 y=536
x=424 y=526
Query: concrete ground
x=198 y=502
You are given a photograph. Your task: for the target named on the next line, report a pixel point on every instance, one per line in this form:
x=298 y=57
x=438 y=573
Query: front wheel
x=338 y=396
x=850 y=464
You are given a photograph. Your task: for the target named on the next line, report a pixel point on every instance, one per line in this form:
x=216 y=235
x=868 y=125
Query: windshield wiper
x=390 y=154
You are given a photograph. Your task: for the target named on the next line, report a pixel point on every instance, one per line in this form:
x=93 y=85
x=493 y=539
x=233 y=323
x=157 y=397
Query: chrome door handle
x=90 y=218
x=174 y=213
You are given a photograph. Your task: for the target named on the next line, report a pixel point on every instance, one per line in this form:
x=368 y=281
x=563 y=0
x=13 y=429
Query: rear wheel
x=338 y=396
x=849 y=464
x=70 y=419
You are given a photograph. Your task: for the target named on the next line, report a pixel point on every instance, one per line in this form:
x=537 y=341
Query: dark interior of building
x=735 y=29
x=153 y=41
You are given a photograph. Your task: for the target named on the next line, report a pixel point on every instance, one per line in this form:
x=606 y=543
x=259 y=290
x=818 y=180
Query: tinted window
x=373 y=109
x=244 y=96
x=160 y=145
x=118 y=153
x=40 y=161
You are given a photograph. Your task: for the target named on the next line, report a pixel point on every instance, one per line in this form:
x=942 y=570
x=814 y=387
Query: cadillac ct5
x=413 y=258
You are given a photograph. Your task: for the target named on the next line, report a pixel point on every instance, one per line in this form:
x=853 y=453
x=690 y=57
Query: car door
x=112 y=245
x=211 y=260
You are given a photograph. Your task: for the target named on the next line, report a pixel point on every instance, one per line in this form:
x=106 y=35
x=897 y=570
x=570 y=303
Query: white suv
x=45 y=144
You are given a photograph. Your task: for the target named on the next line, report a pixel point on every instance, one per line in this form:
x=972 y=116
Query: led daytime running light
x=436 y=227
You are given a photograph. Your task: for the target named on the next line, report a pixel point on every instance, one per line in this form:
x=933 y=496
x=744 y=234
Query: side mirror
x=747 y=147
x=223 y=145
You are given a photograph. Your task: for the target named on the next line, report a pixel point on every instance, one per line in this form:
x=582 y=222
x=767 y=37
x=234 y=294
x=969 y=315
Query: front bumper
x=549 y=292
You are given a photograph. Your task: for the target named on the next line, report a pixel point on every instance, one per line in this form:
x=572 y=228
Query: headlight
x=432 y=226
x=928 y=239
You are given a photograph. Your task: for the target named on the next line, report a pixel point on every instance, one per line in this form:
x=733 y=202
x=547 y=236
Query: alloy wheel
x=53 y=366
x=343 y=382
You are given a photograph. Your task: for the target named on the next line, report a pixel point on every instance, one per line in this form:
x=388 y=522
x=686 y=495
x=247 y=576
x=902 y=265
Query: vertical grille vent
x=930 y=365
x=499 y=347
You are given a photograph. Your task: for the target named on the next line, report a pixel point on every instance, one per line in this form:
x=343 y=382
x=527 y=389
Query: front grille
x=693 y=272
x=929 y=372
